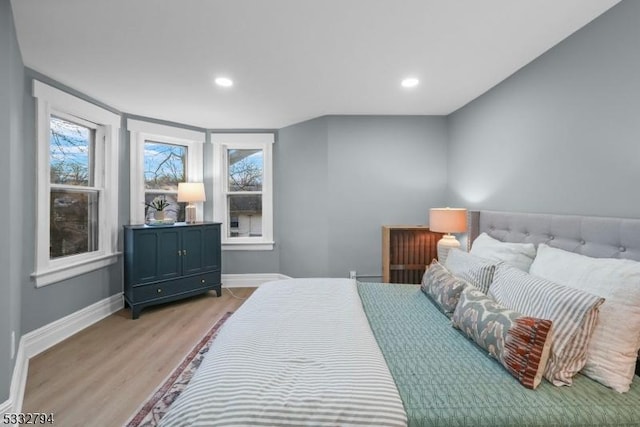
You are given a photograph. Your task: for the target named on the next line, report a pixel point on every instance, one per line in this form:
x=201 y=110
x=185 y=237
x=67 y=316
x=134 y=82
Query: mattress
x=446 y=380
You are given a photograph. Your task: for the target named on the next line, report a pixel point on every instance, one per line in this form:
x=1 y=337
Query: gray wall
x=11 y=162
x=340 y=178
x=563 y=134
x=300 y=198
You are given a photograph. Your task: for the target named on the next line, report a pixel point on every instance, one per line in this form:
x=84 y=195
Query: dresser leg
x=135 y=312
x=219 y=291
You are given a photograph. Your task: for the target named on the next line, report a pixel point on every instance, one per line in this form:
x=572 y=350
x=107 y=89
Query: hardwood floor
x=101 y=375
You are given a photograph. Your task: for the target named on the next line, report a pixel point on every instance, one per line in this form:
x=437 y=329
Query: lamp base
x=445 y=244
x=190 y=214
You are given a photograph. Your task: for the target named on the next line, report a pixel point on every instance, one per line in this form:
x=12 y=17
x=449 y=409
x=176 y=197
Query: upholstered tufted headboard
x=598 y=237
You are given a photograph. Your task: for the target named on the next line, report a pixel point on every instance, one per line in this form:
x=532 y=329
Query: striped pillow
x=475 y=270
x=573 y=312
x=611 y=358
x=520 y=343
x=442 y=287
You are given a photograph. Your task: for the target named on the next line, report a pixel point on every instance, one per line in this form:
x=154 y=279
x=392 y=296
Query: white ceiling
x=291 y=60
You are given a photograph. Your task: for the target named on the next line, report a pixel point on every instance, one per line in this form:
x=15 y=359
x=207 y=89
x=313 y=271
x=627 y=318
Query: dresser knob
x=202 y=281
x=159 y=290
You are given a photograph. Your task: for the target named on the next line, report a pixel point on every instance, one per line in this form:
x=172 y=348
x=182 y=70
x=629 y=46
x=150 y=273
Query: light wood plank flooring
x=101 y=375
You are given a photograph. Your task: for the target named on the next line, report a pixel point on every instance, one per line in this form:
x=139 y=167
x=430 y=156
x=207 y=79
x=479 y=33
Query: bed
x=339 y=352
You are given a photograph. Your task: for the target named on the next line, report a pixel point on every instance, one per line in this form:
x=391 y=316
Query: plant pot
x=159 y=216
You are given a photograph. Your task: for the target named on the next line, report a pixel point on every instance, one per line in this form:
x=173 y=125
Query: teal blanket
x=446 y=380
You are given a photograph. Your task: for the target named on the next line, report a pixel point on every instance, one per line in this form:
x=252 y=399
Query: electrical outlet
x=13 y=344
x=352 y=274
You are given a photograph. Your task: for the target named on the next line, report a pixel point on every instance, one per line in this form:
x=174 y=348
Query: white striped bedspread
x=297 y=352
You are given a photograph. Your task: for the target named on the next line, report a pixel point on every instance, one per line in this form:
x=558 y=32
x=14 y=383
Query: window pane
x=174 y=211
x=73 y=223
x=164 y=166
x=70 y=153
x=245 y=170
x=245 y=216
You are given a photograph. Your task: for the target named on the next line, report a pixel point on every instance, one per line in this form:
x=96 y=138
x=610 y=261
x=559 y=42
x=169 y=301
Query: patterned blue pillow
x=520 y=343
x=442 y=287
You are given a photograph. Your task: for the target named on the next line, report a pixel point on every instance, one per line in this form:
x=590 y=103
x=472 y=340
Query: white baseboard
x=5 y=406
x=19 y=379
x=35 y=342
x=249 y=280
x=49 y=335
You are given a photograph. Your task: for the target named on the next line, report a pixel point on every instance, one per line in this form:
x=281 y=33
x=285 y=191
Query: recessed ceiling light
x=410 y=82
x=223 y=81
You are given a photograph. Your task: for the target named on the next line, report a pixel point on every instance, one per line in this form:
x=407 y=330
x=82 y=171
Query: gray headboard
x=598 y=237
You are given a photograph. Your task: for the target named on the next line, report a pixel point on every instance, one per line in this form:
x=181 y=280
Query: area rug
x=154 y=408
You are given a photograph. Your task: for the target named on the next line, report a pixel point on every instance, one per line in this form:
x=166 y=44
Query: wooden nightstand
x=406 y=251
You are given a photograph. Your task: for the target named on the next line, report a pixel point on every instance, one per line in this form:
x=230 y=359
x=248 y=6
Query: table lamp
x=191 y=192
x=447 y=220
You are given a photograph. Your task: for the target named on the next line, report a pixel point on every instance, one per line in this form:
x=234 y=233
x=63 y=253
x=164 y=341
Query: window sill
x=53 y=275
x=247 y=246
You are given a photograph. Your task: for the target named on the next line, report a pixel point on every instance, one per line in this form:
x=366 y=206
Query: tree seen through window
x=73 y=200
x=164 y=168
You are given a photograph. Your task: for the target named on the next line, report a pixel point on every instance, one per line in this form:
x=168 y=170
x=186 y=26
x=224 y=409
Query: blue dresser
x=170 y=262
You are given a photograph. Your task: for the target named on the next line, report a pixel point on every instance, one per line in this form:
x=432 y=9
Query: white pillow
x=613 y=350
x=519 y=255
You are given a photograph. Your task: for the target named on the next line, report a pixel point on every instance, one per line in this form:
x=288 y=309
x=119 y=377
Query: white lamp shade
x=448 y=220
x=191 y=192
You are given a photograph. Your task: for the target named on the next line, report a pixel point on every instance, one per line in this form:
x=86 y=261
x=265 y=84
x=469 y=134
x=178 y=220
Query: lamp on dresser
x=191 y=192
x=447 y=220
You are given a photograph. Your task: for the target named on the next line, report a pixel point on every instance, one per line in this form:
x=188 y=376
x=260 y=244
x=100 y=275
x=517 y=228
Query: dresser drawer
x=175 y=287
x=200 y=281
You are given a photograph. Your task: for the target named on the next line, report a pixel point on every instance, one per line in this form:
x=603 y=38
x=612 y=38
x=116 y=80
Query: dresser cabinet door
x=192 y=250
x=169 y=253
x=144 y=262
x=201 y=249
x=212 y=256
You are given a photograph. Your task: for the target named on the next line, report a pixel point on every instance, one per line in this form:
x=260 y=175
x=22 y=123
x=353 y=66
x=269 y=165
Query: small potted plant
x=159 y=204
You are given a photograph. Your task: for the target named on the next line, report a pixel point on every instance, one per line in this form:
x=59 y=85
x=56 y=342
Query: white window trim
x=140 y=131
x=221 y=143
x=48 y=101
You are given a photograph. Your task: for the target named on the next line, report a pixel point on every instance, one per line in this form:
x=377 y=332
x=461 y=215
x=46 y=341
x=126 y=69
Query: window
x=74 y=191
x=161 y=157
x=77 y=180
x=243 y=190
